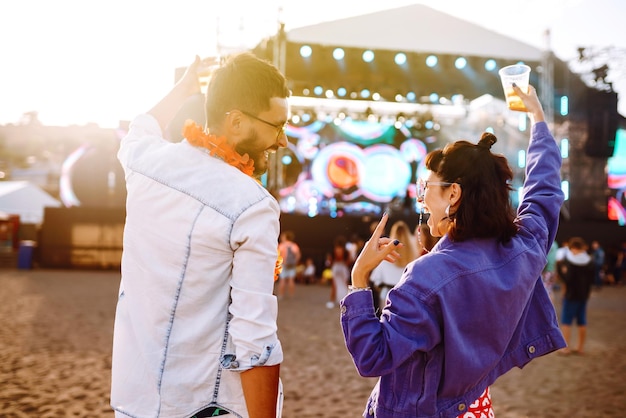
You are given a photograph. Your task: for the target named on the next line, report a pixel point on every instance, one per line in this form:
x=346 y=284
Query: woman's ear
x=455 y=194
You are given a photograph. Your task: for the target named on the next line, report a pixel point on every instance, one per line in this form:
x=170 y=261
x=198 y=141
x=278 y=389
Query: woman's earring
x=447 y=211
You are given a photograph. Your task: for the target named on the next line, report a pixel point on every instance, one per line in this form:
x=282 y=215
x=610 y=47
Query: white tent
x=26 y=200
x=415 y=28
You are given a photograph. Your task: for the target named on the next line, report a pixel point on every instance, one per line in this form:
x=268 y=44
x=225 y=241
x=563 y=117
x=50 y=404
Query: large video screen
x=617 y=179
x=348 y=168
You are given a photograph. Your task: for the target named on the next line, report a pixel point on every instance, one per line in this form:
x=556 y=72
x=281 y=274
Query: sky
x=101 y=61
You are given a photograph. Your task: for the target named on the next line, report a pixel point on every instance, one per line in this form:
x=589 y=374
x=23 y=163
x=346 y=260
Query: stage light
x=565 y=188
x=457 y=99
x=338 y=54
x=522 y=122
x=295 y=119
x=306 y=117
x=368 y=55
x=398 y=97
x=460 y=63
x=429 y=124
x=306 y=92
x=521 y=158
x=305 y=51
x=365 y=93
x=410 y=96
x=434 y=97
x=431 y=61
x=564 y=110
x=376 y=96
x=286 y=160
x=341 y=91
x=564 y=148
x=329 y=94
x=318 y=90
x=490 y=65
x=400 y=58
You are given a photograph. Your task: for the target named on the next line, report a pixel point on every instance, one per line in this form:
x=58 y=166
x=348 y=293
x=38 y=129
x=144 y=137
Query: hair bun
x=487 y=140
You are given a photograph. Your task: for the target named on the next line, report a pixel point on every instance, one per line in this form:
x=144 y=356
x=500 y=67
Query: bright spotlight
x=490 y=65
x=368 y=55
x=400 y=58
x=564 y=106
x=341 y=91
x=460 y=63
x=431 y=61
x=318 y=90
x=338 y=54
x=410 y=96
x=305 y=51
x=365 y=93
x=434 y=97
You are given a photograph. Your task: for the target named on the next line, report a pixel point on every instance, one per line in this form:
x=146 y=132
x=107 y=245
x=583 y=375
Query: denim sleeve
x=379 y=347
x=542 y=197
x=254 y=308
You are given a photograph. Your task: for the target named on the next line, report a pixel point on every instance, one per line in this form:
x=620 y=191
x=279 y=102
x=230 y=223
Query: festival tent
x=26 y=200
x=415 y=28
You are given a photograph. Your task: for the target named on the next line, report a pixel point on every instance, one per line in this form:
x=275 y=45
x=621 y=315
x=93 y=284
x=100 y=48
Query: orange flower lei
x=279 y=266
x=218 y=147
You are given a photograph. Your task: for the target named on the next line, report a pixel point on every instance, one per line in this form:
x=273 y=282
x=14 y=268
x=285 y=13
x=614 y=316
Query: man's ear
x=234 y=126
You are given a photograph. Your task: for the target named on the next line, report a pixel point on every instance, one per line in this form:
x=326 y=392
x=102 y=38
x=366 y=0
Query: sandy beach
x=55 y=355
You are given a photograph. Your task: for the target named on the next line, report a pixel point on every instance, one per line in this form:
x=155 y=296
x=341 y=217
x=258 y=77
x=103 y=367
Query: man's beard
x=250 y=146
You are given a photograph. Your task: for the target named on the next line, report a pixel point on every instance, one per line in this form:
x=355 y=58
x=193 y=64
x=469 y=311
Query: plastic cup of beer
x=518 y=74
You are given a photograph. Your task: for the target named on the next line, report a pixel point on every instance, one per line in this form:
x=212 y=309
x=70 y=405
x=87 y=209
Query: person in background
x=195 y=327
x=576 y=273
x=620 y=264
x=309 y=272
x=340 y=272
x=290 y=252
x=475 y=306
x=598 y=257
x=549 y=271
x=386 y=275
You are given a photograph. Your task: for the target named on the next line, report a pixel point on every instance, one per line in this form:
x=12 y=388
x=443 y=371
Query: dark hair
x=577 y=243
x=243 y=82
x=485 y=209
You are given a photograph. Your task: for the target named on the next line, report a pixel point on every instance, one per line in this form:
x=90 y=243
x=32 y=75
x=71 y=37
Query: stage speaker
x=602 y=123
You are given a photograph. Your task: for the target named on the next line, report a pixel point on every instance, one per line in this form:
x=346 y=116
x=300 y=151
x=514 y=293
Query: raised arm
x=542 y=196
x=167 y=108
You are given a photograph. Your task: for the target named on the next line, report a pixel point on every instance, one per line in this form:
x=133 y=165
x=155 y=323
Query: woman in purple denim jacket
x=475 y=306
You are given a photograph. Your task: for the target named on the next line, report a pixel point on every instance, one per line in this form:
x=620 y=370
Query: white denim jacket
x=196 y=303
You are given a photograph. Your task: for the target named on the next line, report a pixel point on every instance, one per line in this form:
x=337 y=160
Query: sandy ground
x=55 y=355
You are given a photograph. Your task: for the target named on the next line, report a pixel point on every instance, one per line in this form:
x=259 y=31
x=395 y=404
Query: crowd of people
x=205 y=264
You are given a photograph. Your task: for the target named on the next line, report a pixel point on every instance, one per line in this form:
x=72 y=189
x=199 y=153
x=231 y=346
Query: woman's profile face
x=436 y=200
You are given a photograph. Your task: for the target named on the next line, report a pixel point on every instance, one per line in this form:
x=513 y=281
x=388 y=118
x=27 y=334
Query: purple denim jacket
x=465 y=313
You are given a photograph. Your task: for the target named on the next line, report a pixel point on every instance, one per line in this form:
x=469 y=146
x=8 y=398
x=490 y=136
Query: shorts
x=480 y=408
x=287 y=273
x=574 y=309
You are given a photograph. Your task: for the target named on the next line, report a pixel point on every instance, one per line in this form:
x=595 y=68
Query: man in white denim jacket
x=195 y=327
